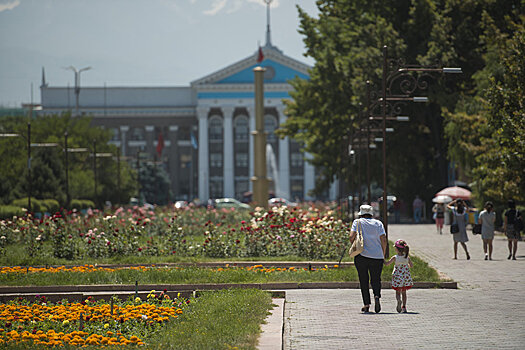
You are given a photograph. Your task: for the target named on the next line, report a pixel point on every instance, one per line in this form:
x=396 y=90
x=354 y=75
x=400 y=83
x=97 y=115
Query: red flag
x=260 y=56
x=160 y=144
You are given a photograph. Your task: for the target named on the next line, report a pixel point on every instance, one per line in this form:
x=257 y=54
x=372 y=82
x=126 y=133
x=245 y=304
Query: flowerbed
x=88 y=322
x=312 y=233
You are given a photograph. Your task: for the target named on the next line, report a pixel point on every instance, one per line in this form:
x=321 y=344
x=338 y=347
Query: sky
x=135 y=42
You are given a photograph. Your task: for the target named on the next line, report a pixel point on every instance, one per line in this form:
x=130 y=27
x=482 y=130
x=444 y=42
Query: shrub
x=82 y=204
x=52 y=205
x=36 y=205
x=8 y=211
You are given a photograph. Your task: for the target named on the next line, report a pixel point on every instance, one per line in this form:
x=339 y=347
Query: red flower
x=140 y=249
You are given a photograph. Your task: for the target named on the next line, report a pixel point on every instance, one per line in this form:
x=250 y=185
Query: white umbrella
x=442 y=199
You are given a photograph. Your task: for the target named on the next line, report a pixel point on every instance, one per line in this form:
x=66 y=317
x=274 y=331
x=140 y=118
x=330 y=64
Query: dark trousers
x=369 y=271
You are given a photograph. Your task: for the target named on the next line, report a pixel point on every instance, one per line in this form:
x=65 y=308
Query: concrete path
x=487 y=312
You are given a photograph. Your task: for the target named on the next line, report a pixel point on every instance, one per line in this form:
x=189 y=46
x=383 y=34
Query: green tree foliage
x=155 y=183
x=48 y=163
x=486 y=132
x=346 y=41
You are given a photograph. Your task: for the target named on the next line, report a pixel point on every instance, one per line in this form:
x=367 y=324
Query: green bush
x=8 y=211
x=52 y=205
x=82 y=204
x=36 y=204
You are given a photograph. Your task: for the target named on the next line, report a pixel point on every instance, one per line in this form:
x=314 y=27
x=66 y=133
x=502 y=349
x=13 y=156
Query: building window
x=215 y=160
x=215 y=129
x=114 y=134
x=216 y=185
x=296 y=160
x=241 y=187
x=184 y=132
x=270 y=124
x=137 y=134
x=241 y=129
x=296 y=189
x=241 y=160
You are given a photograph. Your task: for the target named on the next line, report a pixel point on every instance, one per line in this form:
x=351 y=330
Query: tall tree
x=346 y=40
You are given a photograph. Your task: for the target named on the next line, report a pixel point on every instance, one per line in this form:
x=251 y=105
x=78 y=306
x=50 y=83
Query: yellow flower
x=138 y=300
x=106 y=325
x=65 y=322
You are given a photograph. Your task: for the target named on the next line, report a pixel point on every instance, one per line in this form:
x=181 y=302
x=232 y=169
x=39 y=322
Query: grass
x=189 y=275
x=225 y=319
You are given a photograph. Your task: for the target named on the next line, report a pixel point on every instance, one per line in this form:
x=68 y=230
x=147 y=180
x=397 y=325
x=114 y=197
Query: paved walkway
x=487 y=312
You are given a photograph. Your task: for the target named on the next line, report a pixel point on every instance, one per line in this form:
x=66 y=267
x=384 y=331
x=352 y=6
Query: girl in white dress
x=401 y=277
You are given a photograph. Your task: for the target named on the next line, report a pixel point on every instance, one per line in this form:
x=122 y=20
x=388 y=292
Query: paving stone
x=487 y=312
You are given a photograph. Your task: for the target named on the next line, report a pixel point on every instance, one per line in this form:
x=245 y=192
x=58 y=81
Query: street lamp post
x=77 y=86
x=408 y=84
x=68 y=199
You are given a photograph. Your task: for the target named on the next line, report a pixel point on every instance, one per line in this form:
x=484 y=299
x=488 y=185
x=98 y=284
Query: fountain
x=272 y=171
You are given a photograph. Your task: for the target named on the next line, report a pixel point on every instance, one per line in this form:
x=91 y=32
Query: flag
x=160 y=144
x=260 y=56
x=194 y=141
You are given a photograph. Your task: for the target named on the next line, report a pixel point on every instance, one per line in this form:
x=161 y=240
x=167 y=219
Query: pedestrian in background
x=417 y=205
x=369 y=264
x=439 y=211
x=509 y=221
x=397 y=210
x=459 y=209
x=486 y=218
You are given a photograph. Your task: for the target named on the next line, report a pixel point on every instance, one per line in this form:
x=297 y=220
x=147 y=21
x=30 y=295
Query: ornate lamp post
x=406 y=79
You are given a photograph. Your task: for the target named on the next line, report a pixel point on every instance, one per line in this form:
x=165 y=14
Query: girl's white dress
x=401 y=277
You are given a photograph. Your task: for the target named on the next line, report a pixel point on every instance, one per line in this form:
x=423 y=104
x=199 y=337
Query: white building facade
x=208 y=149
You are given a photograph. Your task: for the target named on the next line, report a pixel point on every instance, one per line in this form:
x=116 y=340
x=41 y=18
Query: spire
x=44 y=84
x=268 y=37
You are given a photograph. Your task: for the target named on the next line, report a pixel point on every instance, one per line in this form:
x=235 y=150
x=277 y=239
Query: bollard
x=309 y=267
x=136 y=289
x=27 y=269
x=81 y=321
x=111 y=311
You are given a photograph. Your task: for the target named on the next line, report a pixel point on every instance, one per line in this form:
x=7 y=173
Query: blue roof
x=282 y=74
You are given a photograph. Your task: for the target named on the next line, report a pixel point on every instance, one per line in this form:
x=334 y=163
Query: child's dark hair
x=402 y=246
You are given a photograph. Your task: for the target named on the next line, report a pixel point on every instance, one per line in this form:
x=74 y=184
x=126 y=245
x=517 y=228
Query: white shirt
x=372 y=230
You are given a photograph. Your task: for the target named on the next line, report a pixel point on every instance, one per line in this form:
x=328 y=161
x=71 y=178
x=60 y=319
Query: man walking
x=417 y=205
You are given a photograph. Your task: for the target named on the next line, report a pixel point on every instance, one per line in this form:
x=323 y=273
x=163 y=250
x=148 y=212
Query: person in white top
x=369 y=263
x=401 y=277
x=487 y=218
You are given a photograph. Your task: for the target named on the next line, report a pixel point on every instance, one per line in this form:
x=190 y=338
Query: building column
x=284 y=160
x=173 y=159
x=123 y=139
x=309 y=177
x=251 y=125
x=150 y=138
x=204 y=190
x=228 y=169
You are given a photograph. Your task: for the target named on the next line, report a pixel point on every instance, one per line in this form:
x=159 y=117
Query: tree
x=48 y=164
x=346 y=40
x=155 y=184
x=486 y=131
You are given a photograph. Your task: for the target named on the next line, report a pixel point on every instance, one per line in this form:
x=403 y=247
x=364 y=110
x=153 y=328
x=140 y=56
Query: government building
x=204 y=128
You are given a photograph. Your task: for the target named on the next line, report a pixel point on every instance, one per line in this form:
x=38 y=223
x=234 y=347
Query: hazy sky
x=134 y=42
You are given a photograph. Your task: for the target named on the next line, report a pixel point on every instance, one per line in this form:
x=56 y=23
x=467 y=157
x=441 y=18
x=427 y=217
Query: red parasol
x=455 y=192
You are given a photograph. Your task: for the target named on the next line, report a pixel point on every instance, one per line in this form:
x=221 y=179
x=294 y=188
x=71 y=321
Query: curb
x=271 y=337
x=97 y=292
